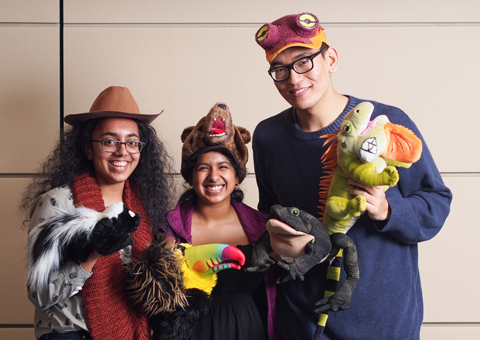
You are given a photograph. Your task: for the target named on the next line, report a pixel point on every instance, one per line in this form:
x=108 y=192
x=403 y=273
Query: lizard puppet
x=294 y=223
x=367 y=152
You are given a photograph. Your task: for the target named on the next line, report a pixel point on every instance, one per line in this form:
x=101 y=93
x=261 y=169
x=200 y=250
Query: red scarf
x=109 y=313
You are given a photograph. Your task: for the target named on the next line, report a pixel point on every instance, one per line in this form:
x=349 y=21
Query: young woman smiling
x=211 y=211
x=111 y=154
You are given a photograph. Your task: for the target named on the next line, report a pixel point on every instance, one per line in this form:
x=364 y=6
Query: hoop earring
x=237 y=186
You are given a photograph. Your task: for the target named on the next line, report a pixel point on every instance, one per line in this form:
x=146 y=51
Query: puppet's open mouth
x=285 y=240
x=278 y=227
x=218 y=127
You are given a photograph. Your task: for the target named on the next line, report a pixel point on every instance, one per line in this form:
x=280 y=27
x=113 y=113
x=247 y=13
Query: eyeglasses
x=302 y=65
x=112 y=145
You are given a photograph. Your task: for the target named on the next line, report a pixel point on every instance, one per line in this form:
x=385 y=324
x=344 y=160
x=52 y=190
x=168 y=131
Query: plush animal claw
x=324 y=306
x=357 y=206
x=261 y=265
x=331 y=304
x=261 y=261
x=393 y=176
x=289 y=260
x=291 y=266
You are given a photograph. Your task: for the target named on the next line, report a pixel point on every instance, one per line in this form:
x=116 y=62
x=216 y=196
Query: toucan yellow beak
x=213 y=258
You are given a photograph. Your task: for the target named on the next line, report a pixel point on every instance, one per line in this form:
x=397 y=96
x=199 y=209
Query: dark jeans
x=81 y=335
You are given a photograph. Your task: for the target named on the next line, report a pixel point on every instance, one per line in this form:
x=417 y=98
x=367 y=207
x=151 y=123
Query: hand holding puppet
x=72 y=236
x=172 y=283
x=287 y=225
x=367 y=152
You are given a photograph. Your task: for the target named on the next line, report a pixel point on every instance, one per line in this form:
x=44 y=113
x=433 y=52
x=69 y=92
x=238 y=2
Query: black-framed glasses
x=113 y=145
x=302 y=65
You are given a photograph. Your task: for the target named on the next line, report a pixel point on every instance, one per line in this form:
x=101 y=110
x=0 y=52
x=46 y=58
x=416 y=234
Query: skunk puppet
x=172 y=283
x=72 y=236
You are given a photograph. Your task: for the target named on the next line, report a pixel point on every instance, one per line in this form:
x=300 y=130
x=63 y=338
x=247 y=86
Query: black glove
x=111 y=235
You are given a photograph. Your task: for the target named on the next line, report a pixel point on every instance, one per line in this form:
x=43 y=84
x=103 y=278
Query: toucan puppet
x=172 y=283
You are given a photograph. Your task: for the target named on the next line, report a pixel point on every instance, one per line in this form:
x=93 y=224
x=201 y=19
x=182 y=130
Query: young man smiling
x=387 y=303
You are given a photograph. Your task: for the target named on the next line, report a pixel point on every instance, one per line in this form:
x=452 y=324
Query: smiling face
x=113 y=168
x=213 y=178
x=306 y=91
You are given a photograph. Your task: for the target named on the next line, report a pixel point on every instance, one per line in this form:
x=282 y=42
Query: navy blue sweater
x=387 y=303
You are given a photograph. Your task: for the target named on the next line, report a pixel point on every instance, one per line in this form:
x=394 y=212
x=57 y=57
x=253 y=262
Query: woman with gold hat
x=111 y=154
x=214 y=157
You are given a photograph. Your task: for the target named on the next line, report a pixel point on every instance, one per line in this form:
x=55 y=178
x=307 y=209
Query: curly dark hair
x=152 y=176
x=237 y=194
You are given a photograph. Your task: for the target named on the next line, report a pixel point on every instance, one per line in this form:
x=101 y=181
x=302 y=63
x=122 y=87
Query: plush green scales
x=367 y=152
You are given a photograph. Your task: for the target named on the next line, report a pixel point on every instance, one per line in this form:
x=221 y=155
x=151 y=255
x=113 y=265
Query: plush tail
x=322 y=321
x=48 y=241
x=333 y=277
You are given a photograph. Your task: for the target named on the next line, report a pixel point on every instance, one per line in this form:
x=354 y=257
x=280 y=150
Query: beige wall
x=184 y=56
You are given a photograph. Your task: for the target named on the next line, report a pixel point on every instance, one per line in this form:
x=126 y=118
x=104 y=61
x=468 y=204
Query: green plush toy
x=367 y=152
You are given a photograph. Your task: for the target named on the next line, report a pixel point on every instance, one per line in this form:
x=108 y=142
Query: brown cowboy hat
x=115 y=102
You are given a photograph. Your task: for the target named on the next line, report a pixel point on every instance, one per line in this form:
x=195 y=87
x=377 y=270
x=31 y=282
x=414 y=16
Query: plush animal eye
x=294 y=211
x=347 y=128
